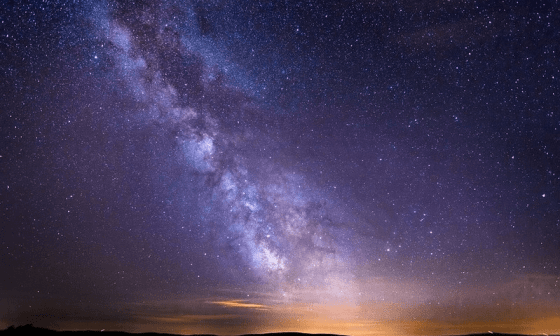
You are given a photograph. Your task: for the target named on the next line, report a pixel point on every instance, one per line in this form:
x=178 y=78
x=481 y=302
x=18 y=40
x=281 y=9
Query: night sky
x=354 y=167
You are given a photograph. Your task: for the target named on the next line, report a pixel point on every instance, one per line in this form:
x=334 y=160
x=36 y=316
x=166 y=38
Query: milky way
x=276 y=221
x=236 y=167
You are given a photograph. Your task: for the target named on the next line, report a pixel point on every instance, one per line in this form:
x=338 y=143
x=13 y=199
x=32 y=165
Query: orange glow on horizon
x=222 y=316
x=240 y=304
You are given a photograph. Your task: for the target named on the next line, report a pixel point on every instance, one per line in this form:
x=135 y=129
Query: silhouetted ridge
x=29 y=329
x=289 y=334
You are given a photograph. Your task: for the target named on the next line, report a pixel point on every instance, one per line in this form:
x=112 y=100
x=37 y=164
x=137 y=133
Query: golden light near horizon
x=235 y=316
x=240 y=304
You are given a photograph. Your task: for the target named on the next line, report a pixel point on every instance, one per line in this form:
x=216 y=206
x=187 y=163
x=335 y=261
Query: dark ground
x=31 y=330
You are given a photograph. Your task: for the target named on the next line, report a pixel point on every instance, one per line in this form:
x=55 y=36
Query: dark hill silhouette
x=30 y=330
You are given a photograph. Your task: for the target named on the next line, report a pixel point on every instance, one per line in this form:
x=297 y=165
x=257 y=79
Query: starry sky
x=354 y=167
